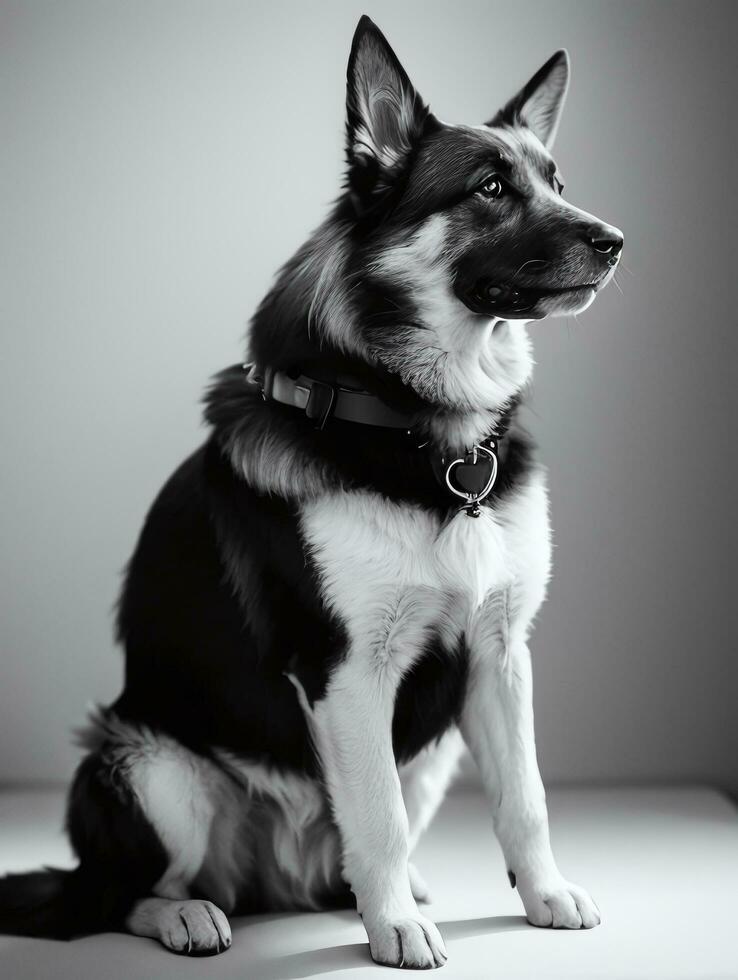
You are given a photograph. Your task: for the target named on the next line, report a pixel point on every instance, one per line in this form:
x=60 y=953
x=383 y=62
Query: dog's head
x=483 y=202
x=447 y=240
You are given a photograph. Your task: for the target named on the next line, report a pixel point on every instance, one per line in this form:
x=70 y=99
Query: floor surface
x=662 y=864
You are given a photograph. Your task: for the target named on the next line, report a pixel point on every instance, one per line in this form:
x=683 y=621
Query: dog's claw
x=410 y=941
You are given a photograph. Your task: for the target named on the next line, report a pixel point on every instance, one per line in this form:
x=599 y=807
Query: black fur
x=206 y=655
x=44 y=903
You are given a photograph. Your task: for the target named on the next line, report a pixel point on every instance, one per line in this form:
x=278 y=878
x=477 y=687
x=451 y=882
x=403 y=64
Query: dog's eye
x=492 y=186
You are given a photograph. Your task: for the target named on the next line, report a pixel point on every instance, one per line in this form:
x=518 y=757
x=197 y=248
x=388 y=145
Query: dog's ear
x=385 y=116
x=539 y=103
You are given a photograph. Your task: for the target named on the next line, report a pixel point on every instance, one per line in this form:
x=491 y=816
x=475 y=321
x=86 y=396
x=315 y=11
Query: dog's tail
x=54 y=903
x=51 y=903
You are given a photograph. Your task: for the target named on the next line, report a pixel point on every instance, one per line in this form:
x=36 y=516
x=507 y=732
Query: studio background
x=161 y=159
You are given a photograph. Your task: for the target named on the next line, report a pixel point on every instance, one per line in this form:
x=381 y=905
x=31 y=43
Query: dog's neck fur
x=454 y=372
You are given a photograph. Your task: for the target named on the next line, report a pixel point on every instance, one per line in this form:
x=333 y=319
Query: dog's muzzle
x=489 y=298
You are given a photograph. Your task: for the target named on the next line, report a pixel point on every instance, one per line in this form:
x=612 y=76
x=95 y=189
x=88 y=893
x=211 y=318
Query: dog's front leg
x=352 y=729
x=497 y=725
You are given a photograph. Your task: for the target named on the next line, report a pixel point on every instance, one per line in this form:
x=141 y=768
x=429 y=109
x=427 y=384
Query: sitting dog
x=334 y=594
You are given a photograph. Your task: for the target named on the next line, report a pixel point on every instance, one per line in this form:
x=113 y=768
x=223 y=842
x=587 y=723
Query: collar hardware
x=321 y=399
x=472 y=476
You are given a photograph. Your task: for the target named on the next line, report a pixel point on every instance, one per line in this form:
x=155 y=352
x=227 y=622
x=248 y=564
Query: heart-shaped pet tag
x=473 y=476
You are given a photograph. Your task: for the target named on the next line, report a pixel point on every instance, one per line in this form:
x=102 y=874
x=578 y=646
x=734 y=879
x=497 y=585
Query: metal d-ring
x=473 y=497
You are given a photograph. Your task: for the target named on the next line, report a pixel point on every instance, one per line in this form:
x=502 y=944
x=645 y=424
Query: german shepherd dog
x=334 y=594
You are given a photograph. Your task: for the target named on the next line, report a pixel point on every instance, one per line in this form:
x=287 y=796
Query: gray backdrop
x=161 y=159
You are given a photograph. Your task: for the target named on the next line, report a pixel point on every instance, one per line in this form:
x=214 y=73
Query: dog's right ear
x=385 y=117
x=539 y=103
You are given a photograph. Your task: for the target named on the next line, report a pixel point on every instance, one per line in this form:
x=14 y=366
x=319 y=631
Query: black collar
x=469 y=474
x=321 y=400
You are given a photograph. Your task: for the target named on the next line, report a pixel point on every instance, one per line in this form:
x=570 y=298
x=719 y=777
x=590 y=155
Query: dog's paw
x=417 y=885
x=194 y=928
x=557 y=903
x=410 y=941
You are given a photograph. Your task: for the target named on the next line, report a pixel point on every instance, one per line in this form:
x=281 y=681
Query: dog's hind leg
x=187 y=801
x=163 y=826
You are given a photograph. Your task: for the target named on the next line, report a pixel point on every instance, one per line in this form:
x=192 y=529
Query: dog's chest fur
x=413 y=590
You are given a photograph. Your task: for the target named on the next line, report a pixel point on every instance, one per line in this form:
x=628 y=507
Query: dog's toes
x=193 y=928
x=417 y=885
x=410 y=941
x=207 y=928
x=174 y=934
x=564 y=912
x=588 y=911
x=559 y=904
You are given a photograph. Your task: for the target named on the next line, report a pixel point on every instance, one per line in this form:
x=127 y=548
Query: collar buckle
x=320 y=402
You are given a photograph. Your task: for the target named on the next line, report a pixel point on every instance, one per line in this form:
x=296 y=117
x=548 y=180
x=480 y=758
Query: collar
x=321 y=400
x=469 y=474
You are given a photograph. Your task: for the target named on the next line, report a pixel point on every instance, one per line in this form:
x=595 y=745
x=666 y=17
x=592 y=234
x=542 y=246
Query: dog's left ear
x=385 y=117
x=539 y=103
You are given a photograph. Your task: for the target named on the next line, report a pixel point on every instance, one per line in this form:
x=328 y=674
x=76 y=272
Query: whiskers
x=623 y=268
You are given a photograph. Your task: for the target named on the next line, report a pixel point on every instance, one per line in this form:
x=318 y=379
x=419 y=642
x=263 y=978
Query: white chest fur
x=391 y=572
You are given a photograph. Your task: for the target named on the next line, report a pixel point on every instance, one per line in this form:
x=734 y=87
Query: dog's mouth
x=490 y=298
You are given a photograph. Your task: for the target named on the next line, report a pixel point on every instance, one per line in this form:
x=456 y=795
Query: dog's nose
x=605 y=239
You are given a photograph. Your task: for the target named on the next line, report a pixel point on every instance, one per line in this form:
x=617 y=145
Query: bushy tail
x=51 y=903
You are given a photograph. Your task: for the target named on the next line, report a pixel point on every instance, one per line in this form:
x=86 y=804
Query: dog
x=333 y=595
